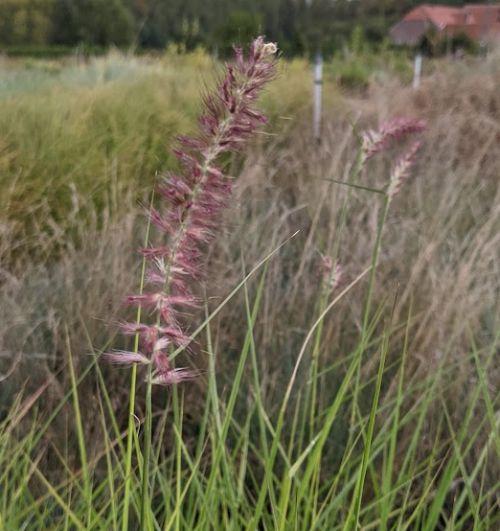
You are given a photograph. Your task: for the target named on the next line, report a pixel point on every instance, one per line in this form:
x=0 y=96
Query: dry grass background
x=77 y=158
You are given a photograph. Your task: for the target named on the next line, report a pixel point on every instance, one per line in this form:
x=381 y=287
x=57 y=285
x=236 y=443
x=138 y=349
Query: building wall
x=409 y=32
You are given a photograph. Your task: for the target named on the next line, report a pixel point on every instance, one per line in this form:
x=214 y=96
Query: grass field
x=375 y=407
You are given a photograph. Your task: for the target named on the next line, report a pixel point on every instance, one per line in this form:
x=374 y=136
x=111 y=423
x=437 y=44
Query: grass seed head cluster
x=193 y=201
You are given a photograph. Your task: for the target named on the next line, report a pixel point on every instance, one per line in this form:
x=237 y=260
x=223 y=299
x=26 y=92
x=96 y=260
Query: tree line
x=300 y=26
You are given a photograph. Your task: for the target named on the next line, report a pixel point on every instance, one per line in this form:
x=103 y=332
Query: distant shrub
x=465 y=43
x=352 y=70
x=358 y=43
x=352 y=74
x=438 y=45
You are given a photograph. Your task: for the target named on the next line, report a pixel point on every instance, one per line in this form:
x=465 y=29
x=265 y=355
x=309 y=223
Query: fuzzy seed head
x=401 y=170
x=395 y=130
x=269 y=48
x=192 y=204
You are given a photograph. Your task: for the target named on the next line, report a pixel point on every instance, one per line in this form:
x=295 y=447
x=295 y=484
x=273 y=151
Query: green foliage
x=358 y=42
x=46 y=51
x=352 y=74
x=354 y=70
x=436 y=45
x=25 y=21
x=301 y=27
x=239 y=28
x=458 y=43
x=84 y=126
x=245 y=466
x=94 y=22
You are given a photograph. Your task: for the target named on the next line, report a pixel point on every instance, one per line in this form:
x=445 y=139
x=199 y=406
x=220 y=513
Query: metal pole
x=417 y=72
x=318 y=85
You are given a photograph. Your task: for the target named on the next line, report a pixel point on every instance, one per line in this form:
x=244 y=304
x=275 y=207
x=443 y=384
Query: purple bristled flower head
x=374 y=142
x=401 y=170
x=192 y=203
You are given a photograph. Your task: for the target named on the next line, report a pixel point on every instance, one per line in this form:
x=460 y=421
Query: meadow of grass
x=313 y=411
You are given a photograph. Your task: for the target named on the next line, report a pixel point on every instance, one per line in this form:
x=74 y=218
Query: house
x=479 y=22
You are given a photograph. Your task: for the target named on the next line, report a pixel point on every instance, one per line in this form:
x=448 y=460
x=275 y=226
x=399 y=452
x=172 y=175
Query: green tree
x=239 y=28
x=96 y=22
x=299 y=26
x=25 y=21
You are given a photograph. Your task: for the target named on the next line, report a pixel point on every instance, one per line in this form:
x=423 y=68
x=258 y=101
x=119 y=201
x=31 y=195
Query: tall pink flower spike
x=192 y=204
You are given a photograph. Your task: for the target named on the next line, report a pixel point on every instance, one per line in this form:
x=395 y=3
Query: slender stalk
x=80 y=433
x=315 y=363
x=132 y=395
x=109 y=466
x=387 y=475
x=353 y=518
x=178 y=407
x=374 y=261
x=365 y=335
x=146 y=455
x=354 y=173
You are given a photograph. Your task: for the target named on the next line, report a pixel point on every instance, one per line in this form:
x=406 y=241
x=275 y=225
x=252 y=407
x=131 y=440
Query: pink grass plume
x=173 y=376
x=397 y=129
x=401 y=169
x=192 y=205
x=124 y=357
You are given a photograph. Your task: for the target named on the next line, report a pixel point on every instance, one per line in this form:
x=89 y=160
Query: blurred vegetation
x=81 y=142
x=300 y=26
x=82 y=139
x=91 y=126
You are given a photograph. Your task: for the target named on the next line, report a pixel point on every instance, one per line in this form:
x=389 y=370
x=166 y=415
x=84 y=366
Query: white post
x=318 y=85
x=417 y=71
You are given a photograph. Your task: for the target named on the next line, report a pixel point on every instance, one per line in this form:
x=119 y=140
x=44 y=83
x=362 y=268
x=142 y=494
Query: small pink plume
x=401 y=169
x=124 y=357
x=173 y=376
x=394 y=130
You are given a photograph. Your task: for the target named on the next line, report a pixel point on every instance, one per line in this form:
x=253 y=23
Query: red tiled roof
x=476 y=20
x=440 y=16
x=482 y=14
